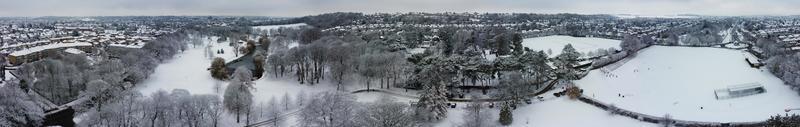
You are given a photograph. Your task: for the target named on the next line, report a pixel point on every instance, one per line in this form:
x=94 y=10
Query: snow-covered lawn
x=680 y=80
x=187 y=70
x=552 y=112
x=557 y=42
x=563 y=112
x=228 y=52
x=374 y=96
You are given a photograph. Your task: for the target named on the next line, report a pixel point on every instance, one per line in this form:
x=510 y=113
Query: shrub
x=218 y=69
x=574 y=92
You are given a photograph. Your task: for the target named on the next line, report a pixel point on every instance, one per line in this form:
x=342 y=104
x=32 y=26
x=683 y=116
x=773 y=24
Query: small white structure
x=752 y=60
x=740 y=90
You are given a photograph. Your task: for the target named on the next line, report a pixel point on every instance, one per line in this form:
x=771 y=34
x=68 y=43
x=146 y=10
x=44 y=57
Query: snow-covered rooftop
x=48 y=46
x=136 y=45
x=73 y=51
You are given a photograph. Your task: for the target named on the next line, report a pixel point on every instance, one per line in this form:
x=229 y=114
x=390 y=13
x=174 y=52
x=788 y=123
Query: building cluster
x=784 y=30
x=30 y=41
x=543 y=25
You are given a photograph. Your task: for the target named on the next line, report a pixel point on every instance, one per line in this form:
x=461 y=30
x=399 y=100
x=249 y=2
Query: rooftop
x=49 y=46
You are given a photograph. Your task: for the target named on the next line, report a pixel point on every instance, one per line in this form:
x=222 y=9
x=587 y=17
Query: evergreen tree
x=502 y=44
x=505 y=115
x=435 y=77
x=535 y=68
x=447 y=41
x=566 y=62
x=516 y=40
x=432 y=103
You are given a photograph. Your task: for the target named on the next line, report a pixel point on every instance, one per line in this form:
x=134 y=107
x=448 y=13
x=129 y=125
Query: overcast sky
x=311 y=7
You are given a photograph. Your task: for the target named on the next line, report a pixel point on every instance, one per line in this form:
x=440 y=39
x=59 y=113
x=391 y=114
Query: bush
x=574 y=92
x=218 y=70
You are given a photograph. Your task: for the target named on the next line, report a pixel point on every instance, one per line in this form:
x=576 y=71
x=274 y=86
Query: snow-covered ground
x=727 y=35
x=273 y=27
x=563 y=112
x=228 y=52
x=557 y=42
x=188 y=71
x=552 y=112
x=374 y=96
x=680 y=80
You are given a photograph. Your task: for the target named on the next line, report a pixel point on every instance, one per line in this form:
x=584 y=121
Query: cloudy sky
x=311 y=7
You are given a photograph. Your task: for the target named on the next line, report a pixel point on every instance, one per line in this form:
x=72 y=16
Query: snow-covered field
x=187 y=70
x=563 y=112
x=273 y=27
x=553 y=112
x=213 y=47
x=557 y=42
x=680 y=80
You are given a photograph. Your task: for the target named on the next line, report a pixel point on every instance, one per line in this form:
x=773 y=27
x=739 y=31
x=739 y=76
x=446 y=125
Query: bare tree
x=301 y=98
x=99 y=90
x=387 y=112
x=330 y=109
x=287 y=101
x=238 y=98
x=18 y=109
x=477 y=116
x=274 y=112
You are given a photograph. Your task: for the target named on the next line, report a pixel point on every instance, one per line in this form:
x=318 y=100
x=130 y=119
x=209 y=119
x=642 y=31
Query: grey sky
x=310 y=7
